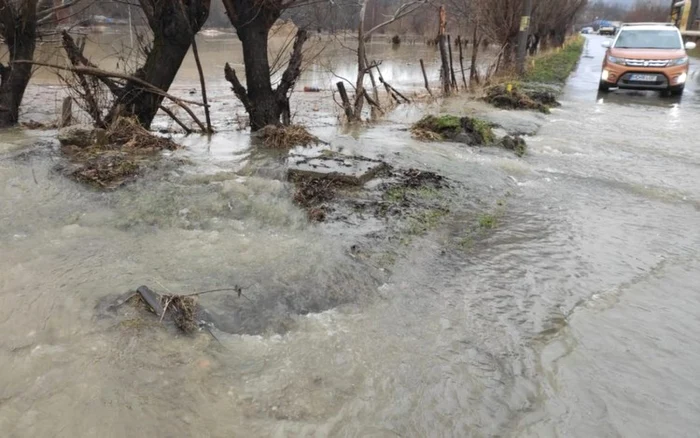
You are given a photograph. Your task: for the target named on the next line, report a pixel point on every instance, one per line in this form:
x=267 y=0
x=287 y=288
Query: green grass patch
x=484 y=129
x=425 y=221
x=555 y=67
x=433 y=128
x=488 y=221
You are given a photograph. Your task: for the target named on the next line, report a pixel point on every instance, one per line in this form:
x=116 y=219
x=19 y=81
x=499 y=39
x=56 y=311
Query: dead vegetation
x=314 y=194
x=129 y=134
x=117 y=155
x=521 y=97
x=286 y=137
x=183 y=309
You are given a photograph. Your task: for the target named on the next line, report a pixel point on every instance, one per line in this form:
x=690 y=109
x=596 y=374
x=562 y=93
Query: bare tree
x=253 y=20
x=174 y=24
x=354 y=110
x=20 y=22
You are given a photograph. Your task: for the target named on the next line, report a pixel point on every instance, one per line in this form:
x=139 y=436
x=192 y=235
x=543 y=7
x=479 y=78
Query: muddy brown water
x=575 y=317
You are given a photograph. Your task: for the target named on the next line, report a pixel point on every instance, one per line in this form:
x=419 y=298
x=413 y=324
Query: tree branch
x=47 y=14
x=402 y=11
x=238 y=88
x=293 y=70
x=76 y=57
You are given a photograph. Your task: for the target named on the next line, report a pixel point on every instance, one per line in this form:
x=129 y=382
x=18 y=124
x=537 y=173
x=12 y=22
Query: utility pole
x=524 y=33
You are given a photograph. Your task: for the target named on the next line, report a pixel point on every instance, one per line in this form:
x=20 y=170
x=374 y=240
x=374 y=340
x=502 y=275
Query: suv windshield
x=649 y=39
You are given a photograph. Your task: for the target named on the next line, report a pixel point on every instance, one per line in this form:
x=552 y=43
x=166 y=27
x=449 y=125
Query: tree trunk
x=173 y=29
x=21 y=42
x=264 y=108
x=442 y=45
x=361 y=66
x=264 y=105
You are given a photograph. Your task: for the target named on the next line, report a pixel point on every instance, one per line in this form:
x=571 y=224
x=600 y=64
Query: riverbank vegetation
x=555 y=66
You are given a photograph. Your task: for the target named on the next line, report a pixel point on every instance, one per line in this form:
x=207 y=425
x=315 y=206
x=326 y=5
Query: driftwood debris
x=182 y=308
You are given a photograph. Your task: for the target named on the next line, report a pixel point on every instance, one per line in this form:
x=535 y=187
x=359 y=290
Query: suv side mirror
x=690 y=45
x=607 y=44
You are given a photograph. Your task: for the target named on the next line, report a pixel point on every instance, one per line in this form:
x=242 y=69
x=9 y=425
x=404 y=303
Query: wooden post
x=442 y=42
x=346 y=101
x=461 y=61
x=474 y=70
x=66 y=112
x=452 y=70
x=425 y=78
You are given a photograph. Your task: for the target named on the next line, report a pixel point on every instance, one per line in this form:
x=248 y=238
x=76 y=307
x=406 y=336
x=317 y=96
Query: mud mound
x=515 y=144
x=521 y=97
x=436 y=127
x=467 y=130
x=414 y=178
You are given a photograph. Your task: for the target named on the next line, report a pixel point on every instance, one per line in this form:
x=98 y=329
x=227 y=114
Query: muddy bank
x=470 y=131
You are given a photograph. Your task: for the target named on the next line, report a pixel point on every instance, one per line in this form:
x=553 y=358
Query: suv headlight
x=679 y=61
x=615 y=60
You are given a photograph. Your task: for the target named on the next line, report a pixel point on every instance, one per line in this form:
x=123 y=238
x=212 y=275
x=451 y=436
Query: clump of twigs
x=184 y=309
x=106 y=170
x=118 y=155
x=286 y=137
x=128 y=133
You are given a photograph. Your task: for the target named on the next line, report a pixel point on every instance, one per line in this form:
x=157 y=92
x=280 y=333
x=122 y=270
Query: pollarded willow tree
x=174 y=24
x=253 y=20
x=20 y=26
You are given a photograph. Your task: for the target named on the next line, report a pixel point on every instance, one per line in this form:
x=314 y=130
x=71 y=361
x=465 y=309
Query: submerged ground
x=558 y=297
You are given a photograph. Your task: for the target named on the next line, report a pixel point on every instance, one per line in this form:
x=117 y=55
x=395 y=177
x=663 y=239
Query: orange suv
x=646 y=56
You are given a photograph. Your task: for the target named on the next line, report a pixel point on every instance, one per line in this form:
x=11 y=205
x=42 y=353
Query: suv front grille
x=653 y=63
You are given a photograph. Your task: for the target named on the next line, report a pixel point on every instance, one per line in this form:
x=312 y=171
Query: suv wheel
x=677 y=91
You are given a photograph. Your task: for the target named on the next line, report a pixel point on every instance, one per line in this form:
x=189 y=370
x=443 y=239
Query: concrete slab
x=345 y=169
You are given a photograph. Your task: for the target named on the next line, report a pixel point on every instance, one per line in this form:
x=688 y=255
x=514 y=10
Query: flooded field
x=574 y=315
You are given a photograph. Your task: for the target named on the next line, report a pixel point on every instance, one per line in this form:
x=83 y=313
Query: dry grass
x=117 y=156
x=184 y=310
x=425 y=134
x=286 y=137
x=127 y=133
x=106 y=170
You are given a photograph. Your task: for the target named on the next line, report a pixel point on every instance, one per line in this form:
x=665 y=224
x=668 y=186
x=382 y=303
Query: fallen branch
x=92 y=71
x=176 y=119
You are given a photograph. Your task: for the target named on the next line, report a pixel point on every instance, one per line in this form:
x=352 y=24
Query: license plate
x=643 y=78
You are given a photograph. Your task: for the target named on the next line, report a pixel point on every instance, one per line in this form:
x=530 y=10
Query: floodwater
x=575 y=317
x=328 y=59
